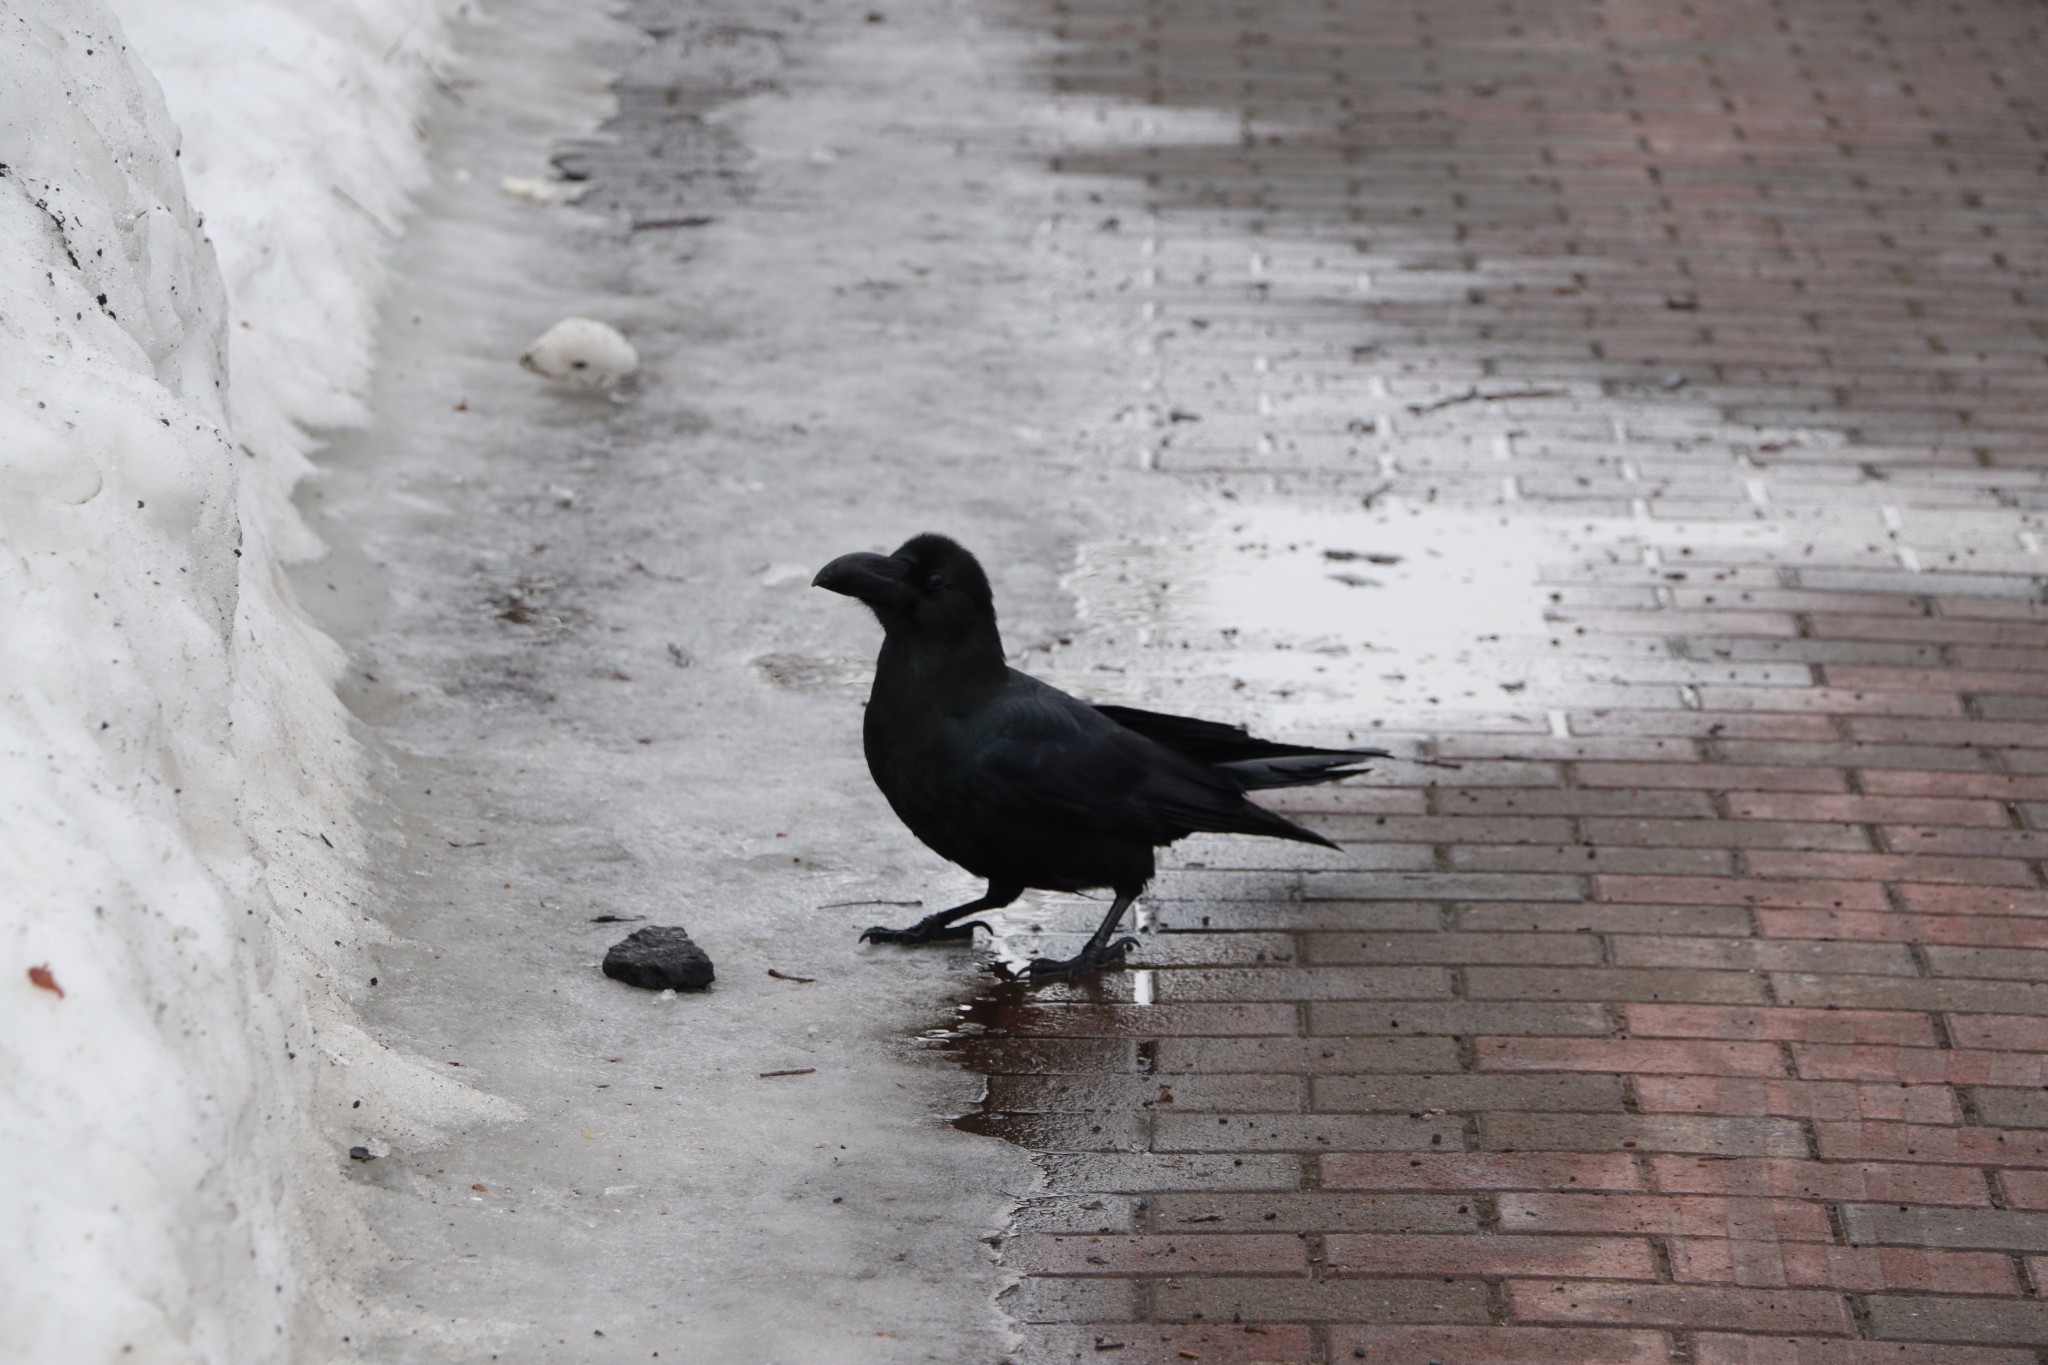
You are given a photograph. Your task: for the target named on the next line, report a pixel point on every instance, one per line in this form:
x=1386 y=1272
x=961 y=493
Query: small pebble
x=660 y=957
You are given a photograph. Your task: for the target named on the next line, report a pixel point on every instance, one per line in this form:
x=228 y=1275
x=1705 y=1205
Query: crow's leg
x=1098 y=952
x=937 y=927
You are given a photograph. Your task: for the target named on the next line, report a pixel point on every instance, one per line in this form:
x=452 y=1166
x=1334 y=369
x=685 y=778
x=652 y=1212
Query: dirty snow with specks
x=176 y=782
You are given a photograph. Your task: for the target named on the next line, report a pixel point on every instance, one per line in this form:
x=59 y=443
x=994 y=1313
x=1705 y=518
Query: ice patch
x=1393 y=615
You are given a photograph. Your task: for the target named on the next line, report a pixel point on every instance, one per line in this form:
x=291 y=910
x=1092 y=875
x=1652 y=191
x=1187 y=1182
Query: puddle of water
x=1400 y=613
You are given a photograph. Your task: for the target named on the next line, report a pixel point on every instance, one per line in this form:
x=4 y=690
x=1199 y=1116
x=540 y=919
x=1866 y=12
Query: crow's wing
x=1255 y=763
x=1051 y=759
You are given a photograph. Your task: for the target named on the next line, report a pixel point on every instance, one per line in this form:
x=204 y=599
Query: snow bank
x=175 y=777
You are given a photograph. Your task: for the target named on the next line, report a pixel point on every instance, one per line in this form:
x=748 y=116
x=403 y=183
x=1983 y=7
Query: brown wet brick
x=1303 y=1133
x=1840 y=1101
x=1140 y=1172
x=1726 y=942
x=1465 y=1093
x=1215 y=1298
x=2010 y=1108
x=1833 y=701
x=1678 y=862
x=1703 y=725
x=1442 y=886
x=1498 y=1257
x=1866 y=810
x=2016 y=1033
x=1577 y=801
x=1727 y=1136
x=1972 y=900
x=1913 y=1317
x=1776 y=1349
x=1459 y=948
x=1973 y=1146
x=1833 y=1181
x=1391 y=1053
x=1749 y=891
x=1973 y=732
x=1614 y=983
x=1483 y=1171
x=1931 y=680
x=1982 y=931
x=1454 y=828
x=1857 y=1269
x=1603 y=917
x=1894 y=992
x=1501 y=1345
x=1993 y=1229
x=2002 y=964
x=1743 y=1218
x=1357 y=800
x=1987 y=786
x=1719 y=777
x=1882 y=867
x=1769 y=953
x=1780 y=1024
x=2025 y=1189
x=1678 y=1306
x=1730 y=834
x=1640 y=1056
x=1331 y=916
x=1346 y=1018
x=1902 y=1066
x=1304 y=983
x=1321 y=1210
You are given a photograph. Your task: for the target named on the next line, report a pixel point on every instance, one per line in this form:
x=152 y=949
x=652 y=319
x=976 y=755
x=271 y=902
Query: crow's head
x=930 y=585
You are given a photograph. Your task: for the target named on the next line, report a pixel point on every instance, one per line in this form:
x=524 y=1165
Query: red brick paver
x=1702 y=1012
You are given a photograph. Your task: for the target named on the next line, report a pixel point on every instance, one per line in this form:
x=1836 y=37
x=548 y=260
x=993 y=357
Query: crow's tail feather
x=1301 y=770
x=1253 y=762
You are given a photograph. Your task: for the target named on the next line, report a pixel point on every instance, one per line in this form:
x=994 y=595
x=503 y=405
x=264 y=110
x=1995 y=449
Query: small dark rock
x=361 y=1154
x=660 y=957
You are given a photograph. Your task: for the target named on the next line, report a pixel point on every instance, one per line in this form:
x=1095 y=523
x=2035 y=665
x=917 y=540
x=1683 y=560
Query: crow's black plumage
x=1024 y=785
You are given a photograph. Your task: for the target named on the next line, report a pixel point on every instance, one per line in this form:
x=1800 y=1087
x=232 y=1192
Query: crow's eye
x=935 y=582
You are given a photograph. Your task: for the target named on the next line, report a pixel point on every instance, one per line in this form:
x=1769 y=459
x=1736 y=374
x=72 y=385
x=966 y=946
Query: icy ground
x=584 y=645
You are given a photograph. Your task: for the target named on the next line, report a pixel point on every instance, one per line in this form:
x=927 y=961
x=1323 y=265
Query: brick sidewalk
x=1701 y=1015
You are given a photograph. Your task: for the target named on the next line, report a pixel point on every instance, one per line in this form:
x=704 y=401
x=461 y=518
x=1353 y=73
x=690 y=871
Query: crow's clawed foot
x=1091 y=959
x=921 y=933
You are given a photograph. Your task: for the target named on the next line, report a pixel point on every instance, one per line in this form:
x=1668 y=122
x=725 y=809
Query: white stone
x=582 y=352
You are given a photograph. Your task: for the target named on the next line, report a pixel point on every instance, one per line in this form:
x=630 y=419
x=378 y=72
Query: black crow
x=1026 y=786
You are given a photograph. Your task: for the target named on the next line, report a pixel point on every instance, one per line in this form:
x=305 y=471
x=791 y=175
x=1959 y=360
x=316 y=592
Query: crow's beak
x=862 y=575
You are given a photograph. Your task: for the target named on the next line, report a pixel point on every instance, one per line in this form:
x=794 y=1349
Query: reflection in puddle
x=1402 y=612
x=1320 y=608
